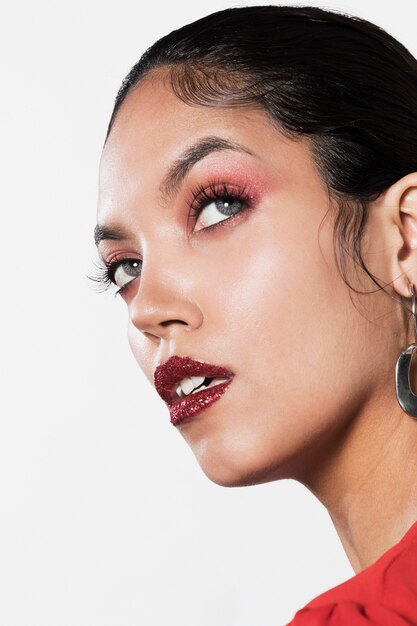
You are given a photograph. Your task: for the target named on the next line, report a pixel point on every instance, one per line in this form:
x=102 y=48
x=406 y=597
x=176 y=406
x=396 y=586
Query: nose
x=164 y=305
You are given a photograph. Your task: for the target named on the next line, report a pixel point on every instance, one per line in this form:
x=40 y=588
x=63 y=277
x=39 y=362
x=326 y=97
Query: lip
x=167 y=376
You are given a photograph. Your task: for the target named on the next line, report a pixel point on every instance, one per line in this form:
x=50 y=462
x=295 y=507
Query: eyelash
x=201 y=196
x=103 y=273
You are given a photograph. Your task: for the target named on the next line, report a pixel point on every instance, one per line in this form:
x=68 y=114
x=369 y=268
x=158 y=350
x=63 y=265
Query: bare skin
x=313 y=396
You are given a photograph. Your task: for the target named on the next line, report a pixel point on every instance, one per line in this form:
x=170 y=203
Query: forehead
x=152 y=122
x=153 y=112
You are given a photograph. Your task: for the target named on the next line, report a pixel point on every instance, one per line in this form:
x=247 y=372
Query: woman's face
x=250 y=284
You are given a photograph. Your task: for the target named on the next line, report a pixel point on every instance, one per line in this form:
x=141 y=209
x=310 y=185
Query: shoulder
x=349 y=613
x=384 y=594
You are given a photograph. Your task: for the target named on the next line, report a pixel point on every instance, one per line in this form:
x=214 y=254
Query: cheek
x=275 y=286
x=281 y=316
x=143 y=350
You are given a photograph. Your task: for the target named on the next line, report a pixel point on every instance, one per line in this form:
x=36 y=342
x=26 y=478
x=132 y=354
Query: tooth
x=179 y=390
x=197 y=380
x=216 y=381
x=187 y=385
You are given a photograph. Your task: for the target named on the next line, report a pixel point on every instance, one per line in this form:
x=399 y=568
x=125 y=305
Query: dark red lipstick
x=168 y=376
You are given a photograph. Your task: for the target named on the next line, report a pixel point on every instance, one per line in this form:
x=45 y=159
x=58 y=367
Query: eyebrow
x=175 y=176
x=106 y=232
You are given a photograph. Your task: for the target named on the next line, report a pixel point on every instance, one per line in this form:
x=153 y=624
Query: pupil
x=228 y=206
x=131 y=267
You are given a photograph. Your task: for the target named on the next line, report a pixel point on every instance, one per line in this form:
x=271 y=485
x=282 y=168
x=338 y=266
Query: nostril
x=155 y=338
x=168 y=322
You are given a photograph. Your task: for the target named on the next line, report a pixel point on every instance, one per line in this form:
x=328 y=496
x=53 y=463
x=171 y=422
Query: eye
x=119 y=273
x=123 y=272
x=217 y=203
x=217 y=211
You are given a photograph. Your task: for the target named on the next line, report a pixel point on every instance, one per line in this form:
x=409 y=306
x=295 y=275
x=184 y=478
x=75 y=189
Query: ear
x=392 y=231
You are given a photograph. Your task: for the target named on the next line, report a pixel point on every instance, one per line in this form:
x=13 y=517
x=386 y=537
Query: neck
x=368 y=485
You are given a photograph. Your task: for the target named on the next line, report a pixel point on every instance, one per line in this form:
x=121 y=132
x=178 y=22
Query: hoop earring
x=407 y=399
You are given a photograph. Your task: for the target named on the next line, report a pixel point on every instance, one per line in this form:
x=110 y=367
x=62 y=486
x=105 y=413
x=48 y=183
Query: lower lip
x=195 y=403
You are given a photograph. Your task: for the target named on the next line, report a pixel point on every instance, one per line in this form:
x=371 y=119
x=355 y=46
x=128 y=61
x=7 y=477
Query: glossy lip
x=168 y=374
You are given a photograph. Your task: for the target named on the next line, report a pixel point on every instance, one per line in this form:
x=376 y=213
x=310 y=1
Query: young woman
x=258 y=215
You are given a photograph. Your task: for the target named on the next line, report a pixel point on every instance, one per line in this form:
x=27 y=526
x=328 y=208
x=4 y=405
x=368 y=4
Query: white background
x=105 y=516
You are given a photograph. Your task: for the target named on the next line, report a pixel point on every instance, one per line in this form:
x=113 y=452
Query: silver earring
x=405 y=396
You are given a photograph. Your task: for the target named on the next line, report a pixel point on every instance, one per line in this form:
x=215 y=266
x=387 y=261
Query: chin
x=238 y=469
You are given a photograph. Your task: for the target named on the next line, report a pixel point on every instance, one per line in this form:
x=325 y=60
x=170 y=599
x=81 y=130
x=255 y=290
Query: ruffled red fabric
x=384 y=594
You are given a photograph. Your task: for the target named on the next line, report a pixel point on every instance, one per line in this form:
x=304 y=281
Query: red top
x=383 y=594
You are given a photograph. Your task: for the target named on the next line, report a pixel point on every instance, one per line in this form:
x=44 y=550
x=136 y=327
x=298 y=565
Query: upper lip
x=168 y=374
